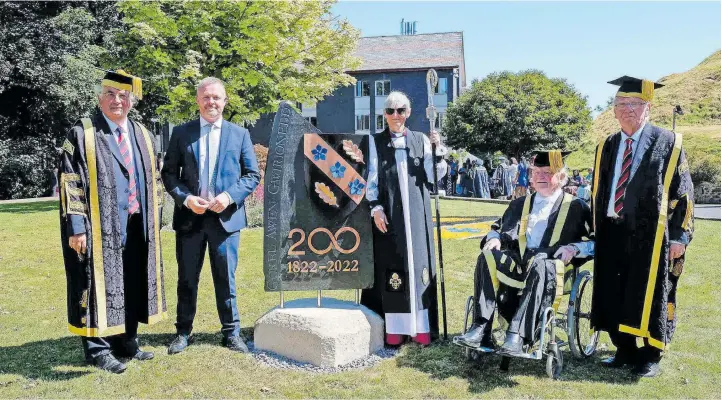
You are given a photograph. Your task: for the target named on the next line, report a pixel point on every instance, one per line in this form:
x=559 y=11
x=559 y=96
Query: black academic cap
x=635 y=87
x=122 y=80
x=551 y=158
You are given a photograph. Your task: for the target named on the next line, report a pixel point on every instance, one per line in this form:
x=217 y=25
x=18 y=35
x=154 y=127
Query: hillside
x=697 y=91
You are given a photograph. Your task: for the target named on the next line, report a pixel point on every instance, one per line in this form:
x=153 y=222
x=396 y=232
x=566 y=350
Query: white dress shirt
x=123 y=127
x=210 y=140
x=618 y=166
x=208 y=153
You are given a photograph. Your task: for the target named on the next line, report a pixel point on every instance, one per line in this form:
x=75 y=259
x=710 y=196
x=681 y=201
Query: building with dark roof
x=390 y=63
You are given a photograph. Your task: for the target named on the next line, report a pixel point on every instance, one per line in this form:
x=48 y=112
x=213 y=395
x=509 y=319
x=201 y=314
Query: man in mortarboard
x=109 y=227
x=643 y=214
x=539 y=237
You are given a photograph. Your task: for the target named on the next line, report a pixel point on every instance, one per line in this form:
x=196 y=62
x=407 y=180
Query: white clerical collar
x=552 y=198
x=216 y=124
x=113 y=126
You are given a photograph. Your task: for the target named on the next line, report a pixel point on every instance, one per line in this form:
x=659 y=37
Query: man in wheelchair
x=538 y=238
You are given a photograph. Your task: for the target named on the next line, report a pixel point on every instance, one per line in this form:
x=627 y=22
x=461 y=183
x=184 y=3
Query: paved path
x=707 y=211
x=20 y=201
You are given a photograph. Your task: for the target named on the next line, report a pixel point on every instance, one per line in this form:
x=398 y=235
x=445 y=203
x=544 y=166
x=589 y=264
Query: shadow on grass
x=444 y=360
x=52 y=360
x=213 y=339
x=45 y=360
x=28 y=208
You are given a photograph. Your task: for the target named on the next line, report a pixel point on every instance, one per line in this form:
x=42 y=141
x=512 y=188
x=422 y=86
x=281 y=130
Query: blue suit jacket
x=77 y=224
x=238 y=173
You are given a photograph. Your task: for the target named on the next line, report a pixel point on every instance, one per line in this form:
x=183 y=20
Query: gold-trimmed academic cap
x=122 y=80
x=635 y=87
x=554 y=159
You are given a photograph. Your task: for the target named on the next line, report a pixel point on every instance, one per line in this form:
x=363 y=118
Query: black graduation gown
x=95 y=286
x=634 y=285
x=392 y=290
x=501 y=275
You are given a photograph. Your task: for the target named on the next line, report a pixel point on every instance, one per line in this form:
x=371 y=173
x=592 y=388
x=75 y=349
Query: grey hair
x=563 y=181
x=210 y=80
x=98 y=90
x=397 y=99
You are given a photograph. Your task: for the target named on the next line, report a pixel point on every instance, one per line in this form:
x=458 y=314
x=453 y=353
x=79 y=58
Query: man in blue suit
x=209 y=169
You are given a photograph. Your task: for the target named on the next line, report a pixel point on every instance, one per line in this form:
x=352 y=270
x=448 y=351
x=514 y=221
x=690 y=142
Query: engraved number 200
x=332 y=245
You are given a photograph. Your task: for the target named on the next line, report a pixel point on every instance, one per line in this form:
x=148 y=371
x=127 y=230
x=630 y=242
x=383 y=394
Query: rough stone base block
x=335 y=334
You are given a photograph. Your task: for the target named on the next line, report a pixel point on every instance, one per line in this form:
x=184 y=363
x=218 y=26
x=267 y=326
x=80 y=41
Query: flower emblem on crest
x=356 y=187
x=337 y=170
x=319 y=153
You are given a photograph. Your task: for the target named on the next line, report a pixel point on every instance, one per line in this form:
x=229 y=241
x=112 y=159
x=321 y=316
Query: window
x=439 y=121
x=380 y=123
x=383 y=88
x=312 y=120
x=363 y=122
x=440 y=86
x=362 y=89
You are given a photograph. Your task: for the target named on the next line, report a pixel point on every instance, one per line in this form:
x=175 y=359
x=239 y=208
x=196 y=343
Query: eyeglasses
x=217 y=99
x=632 y=104
x=112 y=96
x=401 y=111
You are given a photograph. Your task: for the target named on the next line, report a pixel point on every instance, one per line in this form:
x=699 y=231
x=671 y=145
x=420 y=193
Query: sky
x=587 y=43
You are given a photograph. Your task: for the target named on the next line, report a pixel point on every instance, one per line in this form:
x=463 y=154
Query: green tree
x=517 y=113
x=264 y=52
x=47 y=50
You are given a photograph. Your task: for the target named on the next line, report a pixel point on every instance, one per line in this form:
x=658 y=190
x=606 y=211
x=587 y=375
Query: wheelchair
x=560 y=327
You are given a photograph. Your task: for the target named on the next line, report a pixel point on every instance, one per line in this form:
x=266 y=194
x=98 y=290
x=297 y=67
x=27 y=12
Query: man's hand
x=380 y=220
x=493 y=244
x=566 y=253
x=434 y=138
x=79 y=243
x=197 y=204
x=676 y=250
x=219 y=203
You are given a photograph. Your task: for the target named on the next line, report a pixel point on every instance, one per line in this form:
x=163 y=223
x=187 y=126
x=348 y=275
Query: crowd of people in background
x=509 y=179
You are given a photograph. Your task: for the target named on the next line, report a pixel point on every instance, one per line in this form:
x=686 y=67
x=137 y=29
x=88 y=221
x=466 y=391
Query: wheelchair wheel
x=555 y=362
x=469 y=354
x=582 y=339
x=468 y=313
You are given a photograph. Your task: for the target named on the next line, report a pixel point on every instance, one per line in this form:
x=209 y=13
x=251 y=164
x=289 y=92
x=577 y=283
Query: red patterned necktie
x=133 y=204
x=623 y=178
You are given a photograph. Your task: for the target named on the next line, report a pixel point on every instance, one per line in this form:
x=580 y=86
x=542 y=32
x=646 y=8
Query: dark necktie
x=623 y=178
x=133 y=204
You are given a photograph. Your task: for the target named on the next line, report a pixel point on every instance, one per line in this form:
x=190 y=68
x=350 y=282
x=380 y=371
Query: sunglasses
x=401 y=111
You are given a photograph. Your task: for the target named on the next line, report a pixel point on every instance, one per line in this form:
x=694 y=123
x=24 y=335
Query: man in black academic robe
x=110 y=197
x=521 y=270
x=643 y=213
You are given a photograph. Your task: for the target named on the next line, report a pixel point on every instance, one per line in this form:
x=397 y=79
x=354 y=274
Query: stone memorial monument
x=317 y=236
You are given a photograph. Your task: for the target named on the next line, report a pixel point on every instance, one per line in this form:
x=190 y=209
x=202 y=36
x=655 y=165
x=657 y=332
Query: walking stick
x=431 y=80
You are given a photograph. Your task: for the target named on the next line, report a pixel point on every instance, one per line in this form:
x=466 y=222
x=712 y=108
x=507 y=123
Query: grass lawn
x=39 y=358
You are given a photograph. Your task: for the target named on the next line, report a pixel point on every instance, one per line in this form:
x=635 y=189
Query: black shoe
x=513 y=345
x=141 y=355
x=235 y=343
x=179 y=343
x=107 y=362
x=647 y=370
x=472 y=338
x=619 y=360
